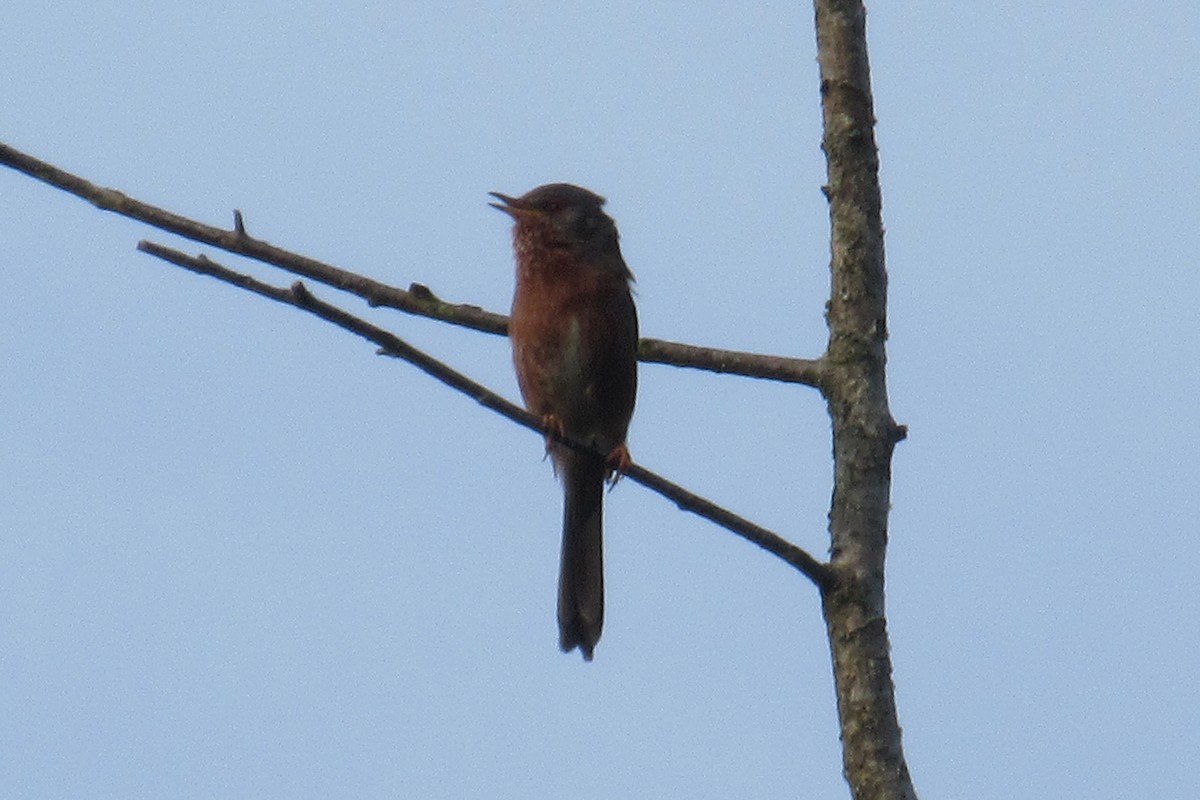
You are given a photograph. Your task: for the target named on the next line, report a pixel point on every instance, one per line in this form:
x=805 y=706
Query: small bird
x=574 y=335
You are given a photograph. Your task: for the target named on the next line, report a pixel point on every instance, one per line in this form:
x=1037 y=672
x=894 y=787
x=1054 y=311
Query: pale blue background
x=243 y=557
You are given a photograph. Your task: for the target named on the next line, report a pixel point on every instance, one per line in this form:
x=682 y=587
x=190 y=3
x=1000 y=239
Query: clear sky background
x=242 y=556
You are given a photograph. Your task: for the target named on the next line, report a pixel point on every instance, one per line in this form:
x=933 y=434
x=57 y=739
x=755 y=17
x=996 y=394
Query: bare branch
x=806 y=371
x=300 y=297
x=418 y=299
x=864 y=433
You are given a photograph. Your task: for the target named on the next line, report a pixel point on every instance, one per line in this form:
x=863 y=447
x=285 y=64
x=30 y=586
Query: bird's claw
x=617 y=462
x=555 y=430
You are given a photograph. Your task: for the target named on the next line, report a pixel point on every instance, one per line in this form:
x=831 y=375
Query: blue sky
x=242 y=556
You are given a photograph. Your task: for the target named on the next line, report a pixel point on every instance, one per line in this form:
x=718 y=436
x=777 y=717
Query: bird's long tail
x=581 y=573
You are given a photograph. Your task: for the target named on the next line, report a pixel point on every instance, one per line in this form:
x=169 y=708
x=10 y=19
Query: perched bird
x=574 y=335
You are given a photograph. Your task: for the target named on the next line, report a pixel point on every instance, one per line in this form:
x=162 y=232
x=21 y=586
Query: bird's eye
x=585 y=223
x=576 y=221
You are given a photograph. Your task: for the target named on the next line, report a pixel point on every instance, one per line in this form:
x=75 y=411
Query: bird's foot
x=617 y=462
x=555 y=430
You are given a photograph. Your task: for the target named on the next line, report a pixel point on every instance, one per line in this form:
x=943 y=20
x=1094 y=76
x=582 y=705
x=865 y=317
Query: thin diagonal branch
x=300 y=297
x=418 y=299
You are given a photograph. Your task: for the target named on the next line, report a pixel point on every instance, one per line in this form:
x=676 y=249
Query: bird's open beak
x=515 y=207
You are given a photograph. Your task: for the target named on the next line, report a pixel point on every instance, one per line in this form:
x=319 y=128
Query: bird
x=574 y=335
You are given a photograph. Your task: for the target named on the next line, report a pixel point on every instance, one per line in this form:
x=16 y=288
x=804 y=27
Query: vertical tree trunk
x=864 y=433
